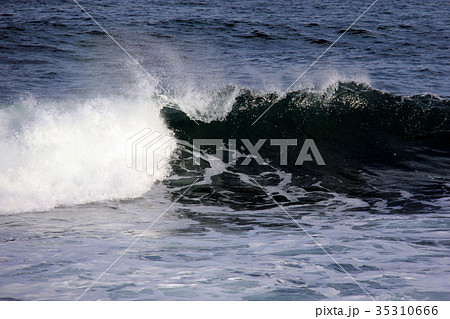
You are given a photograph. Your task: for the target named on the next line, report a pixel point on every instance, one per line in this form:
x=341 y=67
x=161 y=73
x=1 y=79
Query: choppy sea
x=373 y=222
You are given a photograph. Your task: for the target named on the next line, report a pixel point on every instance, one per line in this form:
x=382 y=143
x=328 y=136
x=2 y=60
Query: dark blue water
x=376 y=104
x=52 y=49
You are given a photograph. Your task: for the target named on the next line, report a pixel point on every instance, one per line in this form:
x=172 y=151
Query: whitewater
x=376 y=106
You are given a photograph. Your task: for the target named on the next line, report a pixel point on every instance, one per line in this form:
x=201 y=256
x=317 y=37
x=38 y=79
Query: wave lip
x=342 y=108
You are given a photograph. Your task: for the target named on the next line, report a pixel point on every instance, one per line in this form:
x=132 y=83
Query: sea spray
x=72 y=152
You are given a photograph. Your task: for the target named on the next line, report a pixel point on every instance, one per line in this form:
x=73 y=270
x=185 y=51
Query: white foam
x=208 y=105
x=72 y=152
x=334 y=77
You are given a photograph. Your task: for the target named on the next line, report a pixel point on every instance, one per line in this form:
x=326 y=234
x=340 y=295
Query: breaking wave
x=73 y=152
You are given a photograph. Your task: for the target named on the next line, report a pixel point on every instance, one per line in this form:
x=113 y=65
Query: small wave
x=319 y=41
x=354 y=31
x=261 y=35
x=96 y=32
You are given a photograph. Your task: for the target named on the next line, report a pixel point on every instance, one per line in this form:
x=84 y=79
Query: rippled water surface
x=372 y=223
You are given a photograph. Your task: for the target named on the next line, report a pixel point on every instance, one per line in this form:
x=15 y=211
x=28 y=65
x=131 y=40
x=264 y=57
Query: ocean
x=224 y=150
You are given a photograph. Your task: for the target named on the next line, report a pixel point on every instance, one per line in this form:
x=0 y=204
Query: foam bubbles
x=72 y=152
